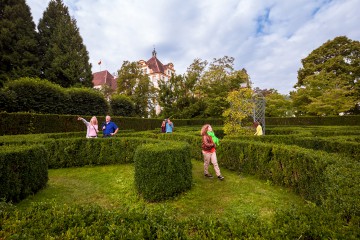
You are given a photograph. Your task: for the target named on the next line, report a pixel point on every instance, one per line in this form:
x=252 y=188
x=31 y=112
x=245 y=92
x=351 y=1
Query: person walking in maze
x=208 y=146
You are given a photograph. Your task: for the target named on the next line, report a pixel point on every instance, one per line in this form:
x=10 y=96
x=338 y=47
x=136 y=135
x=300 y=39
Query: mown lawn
x=113 y=187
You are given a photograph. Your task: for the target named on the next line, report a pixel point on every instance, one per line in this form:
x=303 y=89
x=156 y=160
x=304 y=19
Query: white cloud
x=119 y=30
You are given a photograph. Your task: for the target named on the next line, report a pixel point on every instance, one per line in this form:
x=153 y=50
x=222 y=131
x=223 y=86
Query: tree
x=193 y=76
x=217 y=81
x=202 y=91
x=136 y=85
x=64 y=58
x=328 y=83
x=18 y=43
x=168 y=96
x=241 y=106
x=278 y=105
x=179 y=95
x=107 y=91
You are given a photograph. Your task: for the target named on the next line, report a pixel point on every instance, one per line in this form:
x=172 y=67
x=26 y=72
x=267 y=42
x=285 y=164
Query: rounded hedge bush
x=86 y=101
x=162 y=170
x=36 y=95
x=122 y=105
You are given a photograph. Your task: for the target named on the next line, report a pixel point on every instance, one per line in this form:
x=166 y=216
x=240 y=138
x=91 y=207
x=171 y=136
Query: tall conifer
x=64 y=58
x=18 y=44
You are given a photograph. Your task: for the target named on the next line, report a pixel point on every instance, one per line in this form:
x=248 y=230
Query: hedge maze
x=320 y=163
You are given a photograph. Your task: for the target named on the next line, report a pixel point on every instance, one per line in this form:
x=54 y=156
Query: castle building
x=156 y=70
x=104 y=78
x=152 y=67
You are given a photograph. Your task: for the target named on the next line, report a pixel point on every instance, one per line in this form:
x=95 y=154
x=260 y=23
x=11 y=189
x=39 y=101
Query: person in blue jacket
x=109 y=128
x=169 y=126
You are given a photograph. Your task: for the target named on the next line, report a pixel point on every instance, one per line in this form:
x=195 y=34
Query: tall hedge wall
x=25 y=123
x=42 y=96
x=320 y=121
x=328 y=179
x=23 y=171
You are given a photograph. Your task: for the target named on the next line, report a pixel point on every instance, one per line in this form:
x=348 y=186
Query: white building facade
x=157 y=71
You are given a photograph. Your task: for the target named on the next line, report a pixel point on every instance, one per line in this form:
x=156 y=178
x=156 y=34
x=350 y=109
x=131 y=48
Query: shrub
x=162 y=170
x=7 y=100
x=76 y=152
x=86 y=101
x=322 y=121
x=342 y=184
x=122 y=105
x=53 y=221
x=23 y=171
x=326 y=179
x=36 y=95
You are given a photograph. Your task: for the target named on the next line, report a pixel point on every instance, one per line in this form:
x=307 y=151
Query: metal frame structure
x=259 y=109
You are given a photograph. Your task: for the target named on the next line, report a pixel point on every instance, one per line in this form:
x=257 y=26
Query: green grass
x=113 y=187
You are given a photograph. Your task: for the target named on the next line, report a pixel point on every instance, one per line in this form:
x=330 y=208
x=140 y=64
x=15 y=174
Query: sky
x=266 y=37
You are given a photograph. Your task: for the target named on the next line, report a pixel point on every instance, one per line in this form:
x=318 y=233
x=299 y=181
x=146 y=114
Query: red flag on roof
x=99 y=62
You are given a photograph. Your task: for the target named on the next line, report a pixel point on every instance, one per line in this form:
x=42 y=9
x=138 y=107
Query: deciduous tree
x=134 y=83
x=241 y=106
x=278 y=105
x=328 y=83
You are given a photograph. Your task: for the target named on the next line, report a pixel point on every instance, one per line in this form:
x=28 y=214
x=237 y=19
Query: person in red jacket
x=209 y=152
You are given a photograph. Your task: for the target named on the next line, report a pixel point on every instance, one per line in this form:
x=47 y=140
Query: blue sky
x=266 y=37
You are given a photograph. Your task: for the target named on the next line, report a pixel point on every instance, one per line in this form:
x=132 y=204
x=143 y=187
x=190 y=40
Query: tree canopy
x=132 y=82
x=202 y=90
x=328 y=82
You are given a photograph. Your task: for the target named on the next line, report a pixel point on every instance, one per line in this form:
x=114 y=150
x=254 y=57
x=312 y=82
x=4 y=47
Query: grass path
x=113 y=187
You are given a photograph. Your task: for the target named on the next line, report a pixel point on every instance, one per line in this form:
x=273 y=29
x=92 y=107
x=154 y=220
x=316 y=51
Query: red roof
x=104 y=77
x=155 y=65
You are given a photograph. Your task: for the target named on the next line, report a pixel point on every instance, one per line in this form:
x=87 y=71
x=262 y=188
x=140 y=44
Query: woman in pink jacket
x=92 y=127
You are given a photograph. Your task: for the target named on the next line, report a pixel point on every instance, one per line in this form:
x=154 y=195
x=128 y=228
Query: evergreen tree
x=64 y=58
x=18 y=44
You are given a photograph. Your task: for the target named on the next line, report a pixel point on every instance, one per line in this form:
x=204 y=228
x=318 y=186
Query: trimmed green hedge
x=162 y=170
x=52 y=221
x=76 y=152
x=321 y=121
x=327 y=179
x=316 y=131
x=193 y=140
x=23 y=171
x=25 y=123
x=345 y=146
x=42 y=96
x=305 y=171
